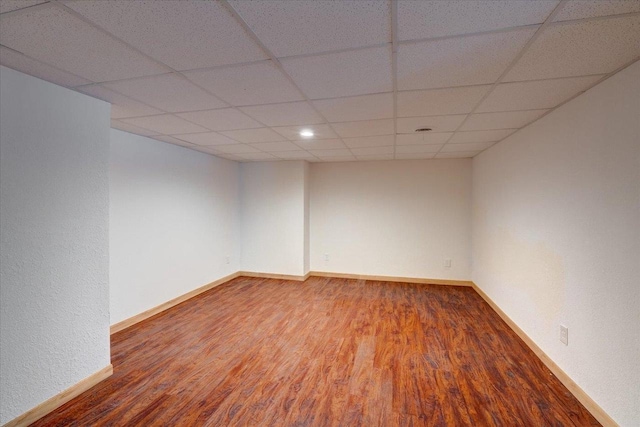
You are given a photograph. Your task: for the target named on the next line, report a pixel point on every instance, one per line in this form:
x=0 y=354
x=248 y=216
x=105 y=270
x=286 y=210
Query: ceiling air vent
x=423 y=129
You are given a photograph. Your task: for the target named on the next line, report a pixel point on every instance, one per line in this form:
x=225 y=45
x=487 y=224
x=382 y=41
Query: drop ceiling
x=239 y=79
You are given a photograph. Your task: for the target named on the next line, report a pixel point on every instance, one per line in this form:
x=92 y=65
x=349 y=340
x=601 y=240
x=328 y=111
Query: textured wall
x=392 y=218
x=54 y=291
x=273 y=217
x=556 y=237
x=174 y=220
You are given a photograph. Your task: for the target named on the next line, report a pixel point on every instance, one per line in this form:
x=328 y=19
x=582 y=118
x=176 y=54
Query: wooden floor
x=341 y=352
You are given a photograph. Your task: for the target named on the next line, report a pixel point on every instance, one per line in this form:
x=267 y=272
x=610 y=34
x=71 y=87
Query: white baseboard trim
x=574 y=388
x=60 y=399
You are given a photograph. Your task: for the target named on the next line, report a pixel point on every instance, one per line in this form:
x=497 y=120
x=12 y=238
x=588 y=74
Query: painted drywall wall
x=273 y=217
x=392 y=218
x=174 y=222
x=54 y=284
x=556 y=237
x=307 y=213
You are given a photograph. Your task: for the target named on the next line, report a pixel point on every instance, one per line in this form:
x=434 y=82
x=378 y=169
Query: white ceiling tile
x=116 y=124
x=480 y=136
x=409 y=156
x=222 y=119
x=370 y=141
x=364 y=128
x=165 y=124
x=256 y=156
x=411 y=149
x=287 y=114
x=321 y=144
x=249 y=84
x=55 y=37
x=331 y=153
x=121 y=106
x=423 y=138
x=468 y=147
x=299 y=27
x=206 y=138
x=437 y=18
x=581 y=9
x=436 y=102
x=295 y=155
x=436 y=123
x=182 y=34
x=17 y=61
x=366 y=151
x=580 y=48
x=276 y=146
x=348 y=73
x=167 y=92
x=502 y=120
x=470 y=60
x=534 y=95
x=368 y=157
x=292 y=133
x=11 y=5
x=235 y=149
x=253 y=135
x=457 y=154
x=365 y=107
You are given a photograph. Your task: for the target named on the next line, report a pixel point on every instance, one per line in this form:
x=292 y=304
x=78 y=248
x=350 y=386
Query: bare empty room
x=320 y=213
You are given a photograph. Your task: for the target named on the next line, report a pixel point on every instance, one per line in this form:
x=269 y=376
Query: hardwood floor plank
x=324 y=352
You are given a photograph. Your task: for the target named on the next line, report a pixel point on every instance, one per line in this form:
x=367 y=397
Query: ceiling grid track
x=394 y=70
x=277 y=63
x=394 y=44
x=533 y=38
x=170 y=70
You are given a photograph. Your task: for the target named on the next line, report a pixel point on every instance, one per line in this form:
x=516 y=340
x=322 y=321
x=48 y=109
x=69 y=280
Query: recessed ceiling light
x=306 y=133
x=423 y=129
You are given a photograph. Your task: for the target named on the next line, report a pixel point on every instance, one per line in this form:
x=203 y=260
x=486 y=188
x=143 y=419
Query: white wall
x=54 y=290
x=273 y=217
x=174 y=220
x=392 y=218
x=556 y=237
x=307 y=214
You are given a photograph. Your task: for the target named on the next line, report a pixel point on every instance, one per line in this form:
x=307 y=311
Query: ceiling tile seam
x=516 y=28
x=393 y=16
x=277 y=103
x=52 y=66
x=72 y=12
x=513 y=62
x=94 y=25
x=223 y=66
x=276 y=62
x=332 y=52
x=467 y=114
x=491 y=84
x=77 y=89
x=551 y=110
x=25 y=10
x=122 y=119
x=326 y=99
x=128 y=79
x=595 y=18
x=474 y=34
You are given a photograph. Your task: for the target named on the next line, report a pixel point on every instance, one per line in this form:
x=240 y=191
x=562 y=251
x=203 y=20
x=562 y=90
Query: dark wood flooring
x=261 y=352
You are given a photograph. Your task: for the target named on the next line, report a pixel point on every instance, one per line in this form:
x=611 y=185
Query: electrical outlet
x=326 y=257
x=447 y=263
x=564 y=335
